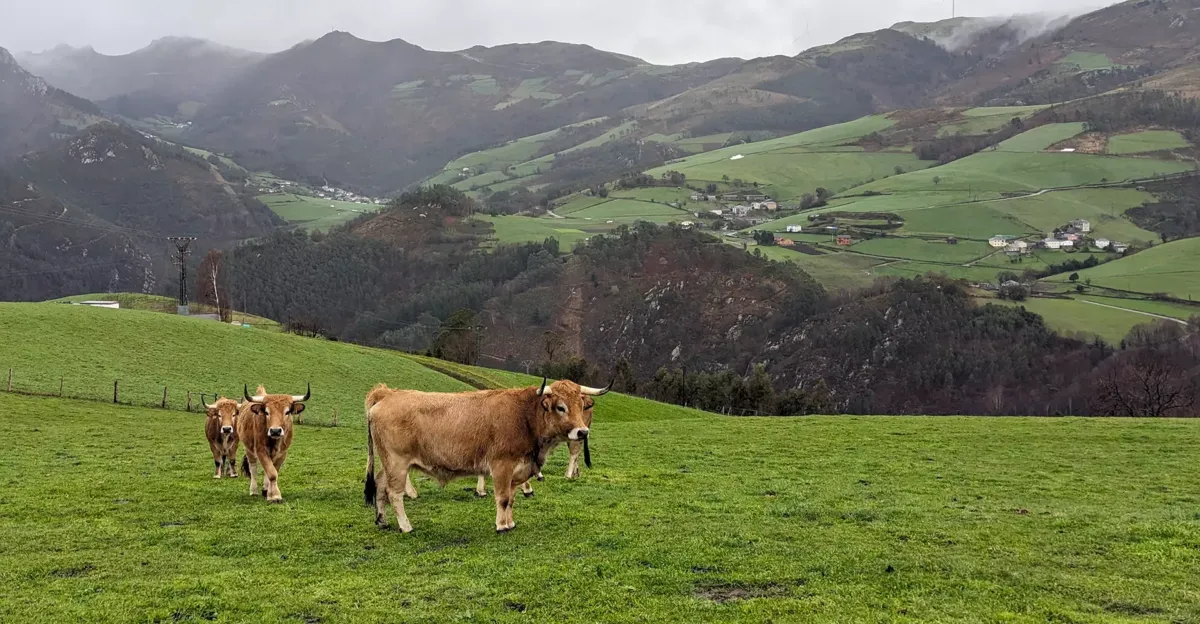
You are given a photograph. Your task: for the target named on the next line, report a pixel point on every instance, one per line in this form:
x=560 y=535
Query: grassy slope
x=1041 y=137
x=1104 y=208
x=1147 y=141
x=159 y=303
x=90 y=347
x=1071 y=315
x=1169 y=268
x=519 y=229
x=110 y=514
x=313 y=213
x=1023 y=172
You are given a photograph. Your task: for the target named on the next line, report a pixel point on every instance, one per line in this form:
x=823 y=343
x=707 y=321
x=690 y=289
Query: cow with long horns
x=265 y=429
x=574 y=446
x=504 y=433
x=220 y=429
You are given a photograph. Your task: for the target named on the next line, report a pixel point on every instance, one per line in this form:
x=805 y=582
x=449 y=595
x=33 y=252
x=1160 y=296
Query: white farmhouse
x=1102 y=243
x=1053 y=243
x=1083 y=225
x=998 y=241
x=795 y=229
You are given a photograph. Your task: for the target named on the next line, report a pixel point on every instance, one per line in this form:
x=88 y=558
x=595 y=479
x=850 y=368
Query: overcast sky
x=660 y=31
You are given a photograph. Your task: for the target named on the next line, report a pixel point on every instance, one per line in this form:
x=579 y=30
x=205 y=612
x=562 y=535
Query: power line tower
x=183 y=249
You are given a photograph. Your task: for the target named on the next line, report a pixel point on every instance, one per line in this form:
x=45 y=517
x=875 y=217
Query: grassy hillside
x=313 y=213
x=1169 y=268
x=1041 y=137
x=1084 y=315
x=90 y=347
x=1148 y=141
x=159 y=303
x=111 y=515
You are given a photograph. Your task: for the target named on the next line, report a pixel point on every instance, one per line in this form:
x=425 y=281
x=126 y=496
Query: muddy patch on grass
x=722 y=593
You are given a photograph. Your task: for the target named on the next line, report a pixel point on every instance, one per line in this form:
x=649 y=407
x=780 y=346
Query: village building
x=741 y=210
x=785 y=242
x=795 y=229
x=1119 y=247
x=1052 y=243
x=844 y=240
x=1102 y=243
x=1083 y=225
x=998 y=241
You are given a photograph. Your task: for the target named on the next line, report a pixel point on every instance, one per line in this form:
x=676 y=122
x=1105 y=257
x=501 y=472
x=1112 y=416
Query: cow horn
x=542 y=390
x=206 y=405
x=308 y=393
x=597 y=391
x=250 y=399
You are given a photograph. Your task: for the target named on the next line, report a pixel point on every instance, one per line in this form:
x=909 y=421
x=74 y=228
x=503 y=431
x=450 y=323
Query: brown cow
x=265 y=428
x=574 y=446
x=222 y=436
x=450 y=435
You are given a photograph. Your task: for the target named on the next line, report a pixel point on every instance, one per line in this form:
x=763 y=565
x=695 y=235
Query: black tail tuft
x=369 y=490
x=245 y=466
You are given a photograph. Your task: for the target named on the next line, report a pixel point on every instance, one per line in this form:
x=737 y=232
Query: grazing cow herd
x=503 y=433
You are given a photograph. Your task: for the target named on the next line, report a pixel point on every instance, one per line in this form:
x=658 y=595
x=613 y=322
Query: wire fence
x=116 y=392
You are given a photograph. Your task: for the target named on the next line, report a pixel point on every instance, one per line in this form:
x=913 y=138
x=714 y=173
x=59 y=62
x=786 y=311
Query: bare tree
x=211 y=287
x=1147 y=383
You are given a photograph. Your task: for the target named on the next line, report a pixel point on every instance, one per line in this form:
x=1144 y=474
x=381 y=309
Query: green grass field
x=976 y=221
x=313 y=213
x=629 y=210
x=1178 y=311
x=918 y=249
x=1087 y=61
x=1041 y=137
x=994 y=171
x=1104 y=208
x=1171 y=268
x=985 y=120
x=167 y=305
x=1147 y=141
x=514 y=229
x=1069 y=316
x=110 y=512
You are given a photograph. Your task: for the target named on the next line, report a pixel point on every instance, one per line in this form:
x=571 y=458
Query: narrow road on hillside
x=1157 y=316
x=551 y=213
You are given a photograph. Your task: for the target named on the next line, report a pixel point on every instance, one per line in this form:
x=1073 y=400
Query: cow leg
x=231 y=461
x=271 y=479
x=252 y=468
x=409 y=489
x=481 y=487
x=396 y=472
x=573 y=465
x=502 y=483
x=216 y=453
x=527 y=488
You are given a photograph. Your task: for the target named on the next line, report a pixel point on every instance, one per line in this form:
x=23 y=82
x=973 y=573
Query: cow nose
x=275 y=432
x=581 y=433
x=226 y=429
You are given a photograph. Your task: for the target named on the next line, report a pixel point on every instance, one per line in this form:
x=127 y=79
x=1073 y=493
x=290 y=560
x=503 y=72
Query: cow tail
x=373 y=397
x=245 y=466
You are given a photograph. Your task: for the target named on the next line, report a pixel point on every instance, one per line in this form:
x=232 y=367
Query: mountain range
x=110 y=140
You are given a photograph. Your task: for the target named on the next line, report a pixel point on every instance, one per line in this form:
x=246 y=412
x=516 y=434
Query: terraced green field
x=994 y=171
x=1104 y=208
x=1087 y=61
x=1041 y=137
x=313 y=213
x=1147 y=141
x=1074 y=316
x=1171 y=268
x=515 y=229
x=918 y=249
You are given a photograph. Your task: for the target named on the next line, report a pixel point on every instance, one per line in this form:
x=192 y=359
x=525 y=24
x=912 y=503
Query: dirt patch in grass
x=722 y=593
x=1086 y=143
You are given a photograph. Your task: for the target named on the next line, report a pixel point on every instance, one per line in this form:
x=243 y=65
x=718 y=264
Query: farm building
x=951 y=240
x=1083 y=225
x=687 y=224
x=766 y=205
x=1067 y=244
x=795 y=229
x=785 y=242
x=998 y=241
x=1119 y=247
x=741 y=211
x=717 y=212
x=844 y=240
x=1102 y=243
x=1073 y=237
x=1052 y=243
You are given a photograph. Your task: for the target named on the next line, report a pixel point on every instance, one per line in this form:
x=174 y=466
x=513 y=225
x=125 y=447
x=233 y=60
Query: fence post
x=189 y=405
x=335 y=418
x=164 y=403
x=10 y=380
x=115 y=390
x=60 y=386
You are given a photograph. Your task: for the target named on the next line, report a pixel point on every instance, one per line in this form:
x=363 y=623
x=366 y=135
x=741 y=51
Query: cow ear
x=546 y=401
x=258 y=408
x=212 y=413
x=297 y=408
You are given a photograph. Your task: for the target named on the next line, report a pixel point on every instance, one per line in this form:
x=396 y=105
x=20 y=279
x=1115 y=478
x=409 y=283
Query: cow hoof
x=481 y=494
x=540 y=477
x=406 y=530
x=216 y=476
x=275 y=501
x=528 y=494
x=504 y=530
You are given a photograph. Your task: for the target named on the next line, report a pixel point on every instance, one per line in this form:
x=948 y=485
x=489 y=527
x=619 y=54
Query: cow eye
x=560 y=409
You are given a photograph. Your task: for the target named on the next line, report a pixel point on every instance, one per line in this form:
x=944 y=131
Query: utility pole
x=183 y=249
